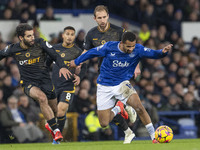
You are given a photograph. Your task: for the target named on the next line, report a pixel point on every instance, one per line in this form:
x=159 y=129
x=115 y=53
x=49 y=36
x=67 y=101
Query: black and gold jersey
x=32 y=61
x=67 y=54
x=95 y=37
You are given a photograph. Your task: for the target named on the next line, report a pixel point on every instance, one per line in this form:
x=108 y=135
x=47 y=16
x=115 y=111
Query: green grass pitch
x=186 y=144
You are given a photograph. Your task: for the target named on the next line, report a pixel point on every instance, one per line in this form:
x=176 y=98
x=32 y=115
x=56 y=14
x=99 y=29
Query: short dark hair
x=69 y=28
x=130 y=36
x=21 y=28
x=100 y=8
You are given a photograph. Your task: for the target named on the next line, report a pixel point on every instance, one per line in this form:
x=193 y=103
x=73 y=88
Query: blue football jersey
x=118 y=66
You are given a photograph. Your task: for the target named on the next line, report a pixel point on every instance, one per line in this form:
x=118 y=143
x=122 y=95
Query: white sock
x=151 y=130
x=127 y=131
x=116 y=110
x=54 y=131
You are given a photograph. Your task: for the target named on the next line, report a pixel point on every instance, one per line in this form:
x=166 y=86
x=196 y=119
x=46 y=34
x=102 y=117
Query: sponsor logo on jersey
x=27 y=54
x=95 y=39
x=117 y=63
x=147 y=49
x=17 y=53
x=48 y=45
x=112 y=54
x=29 y=61
x=57 y=50
x=62 y=55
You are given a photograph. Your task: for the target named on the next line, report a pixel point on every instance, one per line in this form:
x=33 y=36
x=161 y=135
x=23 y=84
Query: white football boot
x=132 y=115
x=129 y=137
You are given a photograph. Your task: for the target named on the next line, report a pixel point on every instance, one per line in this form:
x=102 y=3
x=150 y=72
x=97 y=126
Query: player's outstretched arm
x=167 y=48
x=65 y=72
x=5 y=52
x=137 y=71
x=84 y=51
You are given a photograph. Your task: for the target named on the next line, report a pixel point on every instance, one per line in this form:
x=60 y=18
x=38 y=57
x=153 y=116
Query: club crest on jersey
x=131 y=55
x=48 y=45
x=103 y=42
x=27 y=54
x=62 y=55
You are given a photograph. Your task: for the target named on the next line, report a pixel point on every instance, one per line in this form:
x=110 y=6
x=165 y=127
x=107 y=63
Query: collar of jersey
x=68 y=46
x=22 y=46
x=119 y=48
x=106 y=29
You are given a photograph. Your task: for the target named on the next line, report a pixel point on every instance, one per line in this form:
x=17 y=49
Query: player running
x=65 y=89
x=120 y=60
x=30 y=55
x=99 y=35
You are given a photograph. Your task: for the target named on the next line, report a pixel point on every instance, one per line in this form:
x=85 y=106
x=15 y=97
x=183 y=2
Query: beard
x=28 y=43
x=103 y=26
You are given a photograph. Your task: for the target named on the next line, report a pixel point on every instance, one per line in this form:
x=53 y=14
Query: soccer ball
x=164 y=134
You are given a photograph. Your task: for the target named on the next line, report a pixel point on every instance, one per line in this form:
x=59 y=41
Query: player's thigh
x=48 y=88
x=135 y=101
x=37 y=94
x=65 y=98
x=104 y=116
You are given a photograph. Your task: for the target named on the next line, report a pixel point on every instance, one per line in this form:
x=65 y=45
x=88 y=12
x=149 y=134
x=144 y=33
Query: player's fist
x=167 y=48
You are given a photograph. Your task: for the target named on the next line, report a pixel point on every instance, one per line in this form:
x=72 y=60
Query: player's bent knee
x=104 y=124
x=42 y=99
x=61 y=113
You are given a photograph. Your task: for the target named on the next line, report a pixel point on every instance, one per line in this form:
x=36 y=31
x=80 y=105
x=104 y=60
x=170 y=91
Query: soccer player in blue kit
x=98 y=35
x=120 y=61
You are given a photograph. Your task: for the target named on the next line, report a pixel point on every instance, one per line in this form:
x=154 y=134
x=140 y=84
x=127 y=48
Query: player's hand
x=65 y=72
x=76 y=80
x=78 y=69
x=72 y=64
x=137 y=71
x=167 y=48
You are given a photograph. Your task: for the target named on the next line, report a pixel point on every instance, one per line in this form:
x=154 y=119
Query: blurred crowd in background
x=169 y=84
